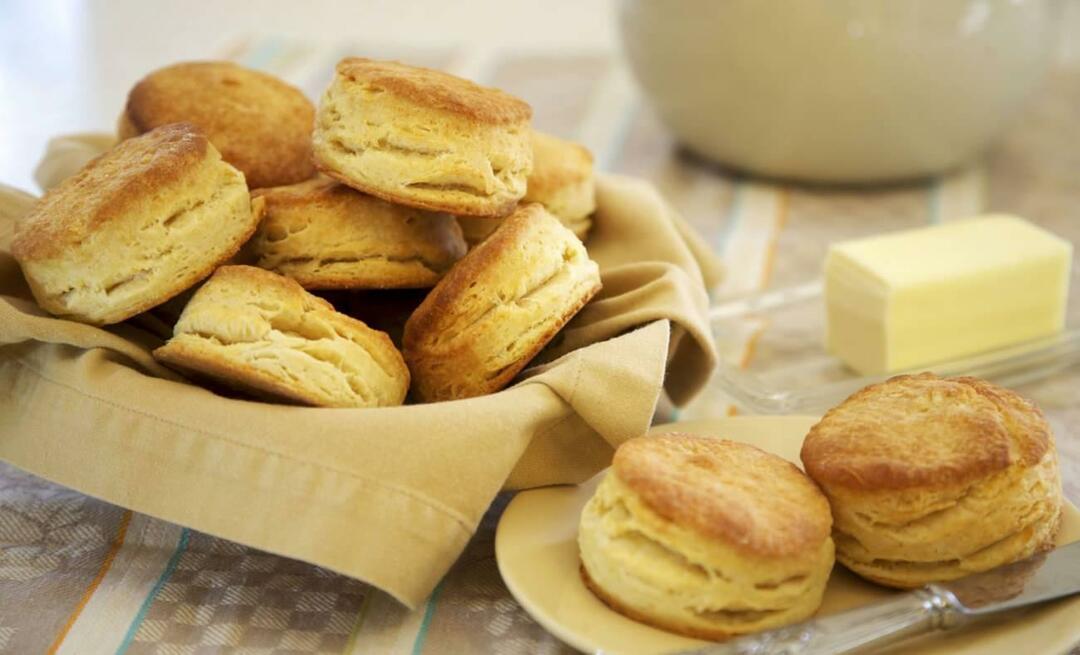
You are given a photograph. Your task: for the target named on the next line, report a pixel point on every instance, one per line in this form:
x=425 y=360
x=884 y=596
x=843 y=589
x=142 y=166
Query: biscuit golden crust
x=108 y=187
x=136 y=226
x=916 y=430
x=262 y=333
x=558 y=163
x=422 y=138
x=437 y=90
x=498 y=307
x=326 y=235
x=932 y=479
x=707 y=485
x=562 y=181
x=706 y=537
x=260 y=124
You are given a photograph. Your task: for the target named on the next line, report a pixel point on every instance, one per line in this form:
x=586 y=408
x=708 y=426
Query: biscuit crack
x=356 y=259
x=953 y=505
x=178 y=217
x=736 y=616
x=797 y=579
x=1031 y=519
x=501 y=301
x=382 y=145
x=640 y=540
x=134 y=278
x=459 y=188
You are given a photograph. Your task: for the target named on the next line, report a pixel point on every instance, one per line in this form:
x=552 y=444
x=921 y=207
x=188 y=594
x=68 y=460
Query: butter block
x=908 y=299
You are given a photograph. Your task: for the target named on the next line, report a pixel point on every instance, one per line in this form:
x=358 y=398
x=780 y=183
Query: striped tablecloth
x=80 y=576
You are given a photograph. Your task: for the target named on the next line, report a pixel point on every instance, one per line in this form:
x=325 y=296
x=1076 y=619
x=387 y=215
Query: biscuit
x=135 y=227
x=423 y=138
x=498 y=307
x=263 y=334
x=325 y=235
x=260 y=124
x=562 y=181
x=931 y=479
x=706 y=537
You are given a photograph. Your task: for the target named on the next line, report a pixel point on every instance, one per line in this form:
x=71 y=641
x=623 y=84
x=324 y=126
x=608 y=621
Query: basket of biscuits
x=291 y=323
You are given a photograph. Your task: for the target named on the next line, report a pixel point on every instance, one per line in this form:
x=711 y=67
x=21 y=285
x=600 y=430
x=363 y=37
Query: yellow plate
x=536 y=548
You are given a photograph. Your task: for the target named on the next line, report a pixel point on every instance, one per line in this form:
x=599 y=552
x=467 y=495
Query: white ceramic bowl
x=838 y=90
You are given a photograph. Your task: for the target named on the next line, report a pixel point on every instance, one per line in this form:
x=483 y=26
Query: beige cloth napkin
x=391 y=495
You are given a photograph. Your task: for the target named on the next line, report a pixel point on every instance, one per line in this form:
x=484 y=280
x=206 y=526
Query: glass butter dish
x=773 y=358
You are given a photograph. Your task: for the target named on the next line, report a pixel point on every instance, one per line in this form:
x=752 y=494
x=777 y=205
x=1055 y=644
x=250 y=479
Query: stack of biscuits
x=916 y=480
x=407 y=188
x=931 y=479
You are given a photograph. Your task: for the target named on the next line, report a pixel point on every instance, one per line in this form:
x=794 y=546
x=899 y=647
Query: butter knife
x=942 y=606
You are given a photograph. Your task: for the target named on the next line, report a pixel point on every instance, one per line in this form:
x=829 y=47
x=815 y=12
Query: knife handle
x=905 y=616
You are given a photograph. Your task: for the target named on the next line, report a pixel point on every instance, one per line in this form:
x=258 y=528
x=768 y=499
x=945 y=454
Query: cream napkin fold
x=391 y=495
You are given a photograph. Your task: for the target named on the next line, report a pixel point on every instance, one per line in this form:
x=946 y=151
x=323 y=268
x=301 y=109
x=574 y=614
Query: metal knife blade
x=1043 y=577
x=1040 y=578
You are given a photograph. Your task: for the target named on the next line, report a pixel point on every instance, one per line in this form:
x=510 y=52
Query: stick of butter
x=907 y=299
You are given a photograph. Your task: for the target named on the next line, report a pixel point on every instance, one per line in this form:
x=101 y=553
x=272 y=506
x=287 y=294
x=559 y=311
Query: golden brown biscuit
x=931 y=479
x=420 y=137
x=262 y=333
x=325 y=235
x=562 y=181
x=134 y=227
x=706 y=537
x=260 y=124
x=498 y=307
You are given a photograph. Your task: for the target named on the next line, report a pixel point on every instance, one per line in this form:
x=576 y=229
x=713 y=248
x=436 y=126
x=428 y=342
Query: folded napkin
x=388 y=495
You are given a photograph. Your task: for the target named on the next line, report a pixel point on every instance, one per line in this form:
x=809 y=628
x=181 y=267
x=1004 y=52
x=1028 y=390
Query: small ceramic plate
x=536 y=548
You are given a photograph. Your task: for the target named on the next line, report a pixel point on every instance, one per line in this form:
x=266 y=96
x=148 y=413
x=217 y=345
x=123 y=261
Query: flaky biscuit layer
x=261 y=332
x=498 y=307
x=136 y=226
x=655 y=563
x=931 y=478
x=382 y=128
x=325 y=235
x=562 y=181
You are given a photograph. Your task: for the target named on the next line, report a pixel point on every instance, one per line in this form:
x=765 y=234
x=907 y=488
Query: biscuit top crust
x=302 y=193
x=436 y=90
x=753 y=501
x=261 y=281
x=329 y=193
x=108 y=187
x=261 y=124
x=557 y=163
x=924 y=430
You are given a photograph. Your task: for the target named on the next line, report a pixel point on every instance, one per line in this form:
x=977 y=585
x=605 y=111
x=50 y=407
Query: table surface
x=82 y=576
